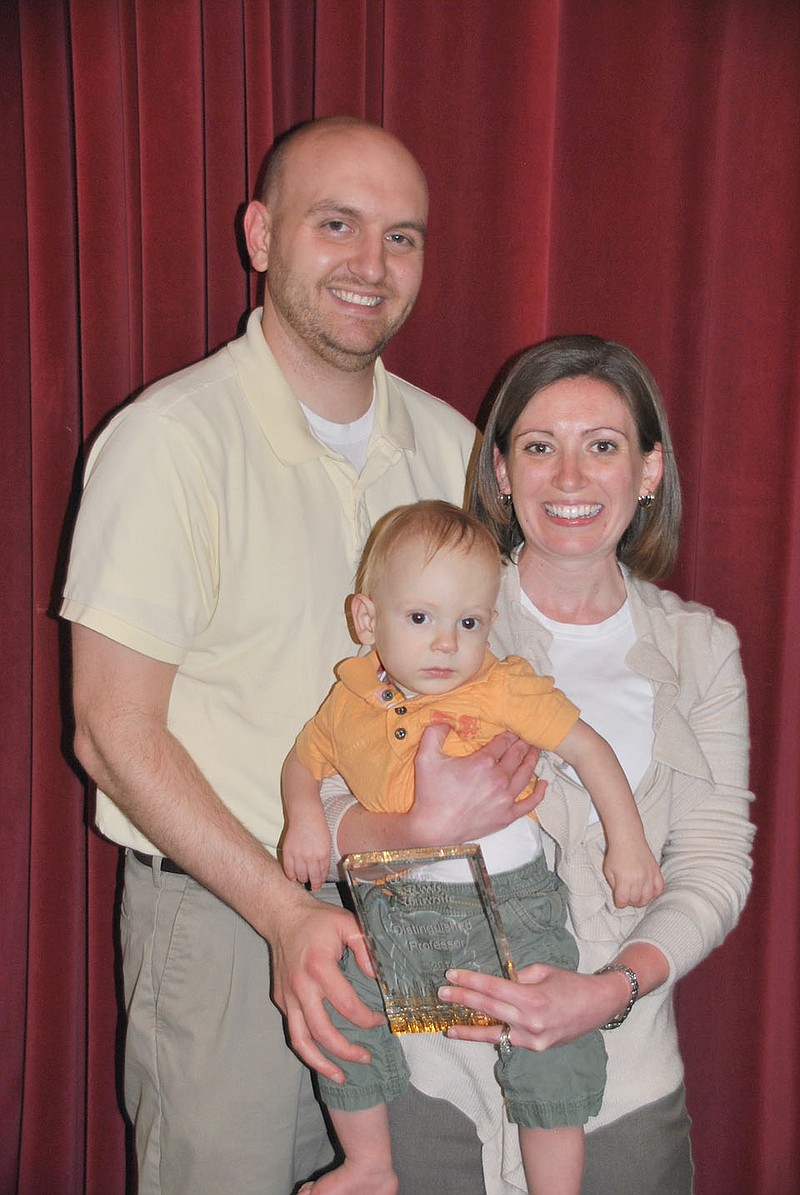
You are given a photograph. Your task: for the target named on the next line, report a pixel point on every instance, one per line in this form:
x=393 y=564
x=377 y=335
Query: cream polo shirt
x=218 y=534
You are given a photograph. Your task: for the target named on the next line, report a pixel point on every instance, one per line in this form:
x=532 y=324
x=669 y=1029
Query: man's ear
x=362 y=613
x=256 y=226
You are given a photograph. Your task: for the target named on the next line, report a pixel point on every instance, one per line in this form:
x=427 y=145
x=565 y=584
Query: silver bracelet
x=633 y=979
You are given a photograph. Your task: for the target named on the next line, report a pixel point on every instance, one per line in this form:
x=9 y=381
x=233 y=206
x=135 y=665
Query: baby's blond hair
x=437 y=524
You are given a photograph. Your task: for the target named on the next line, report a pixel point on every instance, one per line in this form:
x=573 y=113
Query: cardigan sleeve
x=705 y=856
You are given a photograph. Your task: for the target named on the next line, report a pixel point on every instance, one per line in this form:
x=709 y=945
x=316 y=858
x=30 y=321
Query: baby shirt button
x=400 y=733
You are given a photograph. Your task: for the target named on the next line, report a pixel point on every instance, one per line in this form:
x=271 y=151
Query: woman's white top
x=589 y=666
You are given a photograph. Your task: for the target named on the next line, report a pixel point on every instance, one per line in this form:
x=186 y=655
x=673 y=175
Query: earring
x=505 y=499
x=646 y=500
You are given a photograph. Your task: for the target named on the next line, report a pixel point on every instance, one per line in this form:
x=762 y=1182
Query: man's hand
x=309 y=939
x=461 y=799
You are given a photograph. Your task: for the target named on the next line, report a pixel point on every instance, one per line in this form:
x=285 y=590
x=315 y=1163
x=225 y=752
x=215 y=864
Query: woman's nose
x=569 y=472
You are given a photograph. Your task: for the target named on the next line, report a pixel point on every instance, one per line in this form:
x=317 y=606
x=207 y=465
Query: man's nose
x=367 y=259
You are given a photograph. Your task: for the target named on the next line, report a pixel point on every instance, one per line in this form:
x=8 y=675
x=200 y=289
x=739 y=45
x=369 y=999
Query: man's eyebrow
x=414 y=226
x=343 y=209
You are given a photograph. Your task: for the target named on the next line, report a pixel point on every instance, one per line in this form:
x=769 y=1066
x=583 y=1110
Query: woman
x=577 y=481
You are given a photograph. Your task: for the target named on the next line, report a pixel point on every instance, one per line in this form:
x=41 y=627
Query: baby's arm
x=629 y=865
x=305 y=845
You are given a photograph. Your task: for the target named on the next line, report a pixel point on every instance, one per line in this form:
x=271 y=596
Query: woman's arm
x=706 y=866
x=706 y=858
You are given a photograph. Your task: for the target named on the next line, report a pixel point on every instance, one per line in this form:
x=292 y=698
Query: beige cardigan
x=694 y=804
x=693 y=801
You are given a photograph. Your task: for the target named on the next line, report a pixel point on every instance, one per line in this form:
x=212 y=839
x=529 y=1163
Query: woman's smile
x=573 y=513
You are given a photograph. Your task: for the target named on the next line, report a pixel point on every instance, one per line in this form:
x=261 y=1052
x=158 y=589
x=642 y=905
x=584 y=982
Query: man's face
x=346 y=241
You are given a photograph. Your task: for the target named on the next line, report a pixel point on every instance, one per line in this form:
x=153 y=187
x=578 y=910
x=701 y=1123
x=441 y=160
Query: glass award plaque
x=423 y=912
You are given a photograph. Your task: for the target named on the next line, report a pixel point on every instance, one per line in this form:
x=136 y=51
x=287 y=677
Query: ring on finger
x=504 y=1045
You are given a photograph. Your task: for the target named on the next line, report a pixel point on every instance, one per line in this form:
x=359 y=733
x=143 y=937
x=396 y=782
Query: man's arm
x=121 y=701
x=456 y=799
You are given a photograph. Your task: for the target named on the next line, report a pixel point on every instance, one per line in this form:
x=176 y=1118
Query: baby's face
x=433 y=617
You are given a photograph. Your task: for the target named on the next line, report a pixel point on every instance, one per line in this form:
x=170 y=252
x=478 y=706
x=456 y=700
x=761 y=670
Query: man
x=222 y=519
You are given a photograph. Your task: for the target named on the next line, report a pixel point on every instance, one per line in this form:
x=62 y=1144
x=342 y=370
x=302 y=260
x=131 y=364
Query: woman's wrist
x=650 y=964
x=638 y=969
x=632 y=994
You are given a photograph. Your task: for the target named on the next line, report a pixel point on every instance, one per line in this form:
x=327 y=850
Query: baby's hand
x=633 y=874
x=305 y=855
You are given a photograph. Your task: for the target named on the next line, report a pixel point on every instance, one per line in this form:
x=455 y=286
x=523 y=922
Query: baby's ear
x=362 y=613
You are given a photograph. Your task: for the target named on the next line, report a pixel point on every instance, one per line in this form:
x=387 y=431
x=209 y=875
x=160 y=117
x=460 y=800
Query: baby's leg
x=553 y=1160
x=367 y=1167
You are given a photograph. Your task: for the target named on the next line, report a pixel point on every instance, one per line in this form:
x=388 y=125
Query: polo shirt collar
x=364 y=676
x=279 y=414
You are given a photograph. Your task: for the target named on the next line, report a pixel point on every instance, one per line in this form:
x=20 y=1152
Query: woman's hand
x=548 y=1005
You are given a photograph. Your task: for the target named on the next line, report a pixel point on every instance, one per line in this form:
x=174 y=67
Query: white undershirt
x=589 y=666
x=350 y=440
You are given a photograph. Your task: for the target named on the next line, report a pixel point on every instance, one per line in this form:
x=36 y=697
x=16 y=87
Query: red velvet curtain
x=601 y=165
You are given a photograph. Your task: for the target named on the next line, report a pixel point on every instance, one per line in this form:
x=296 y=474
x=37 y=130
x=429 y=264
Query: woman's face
x=574 y=470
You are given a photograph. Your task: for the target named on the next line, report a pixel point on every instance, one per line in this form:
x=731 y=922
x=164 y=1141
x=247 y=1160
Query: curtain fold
x=15 y=627
x=55 y=939
x=476 y=97
x=627 y=169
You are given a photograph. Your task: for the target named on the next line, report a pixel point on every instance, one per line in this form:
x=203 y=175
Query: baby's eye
x=470 y=624
x=418 y=618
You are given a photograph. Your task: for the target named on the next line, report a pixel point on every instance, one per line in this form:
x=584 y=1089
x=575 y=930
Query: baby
x=427 y=589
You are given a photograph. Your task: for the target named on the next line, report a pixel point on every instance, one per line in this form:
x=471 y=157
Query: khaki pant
x=218 y=1101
